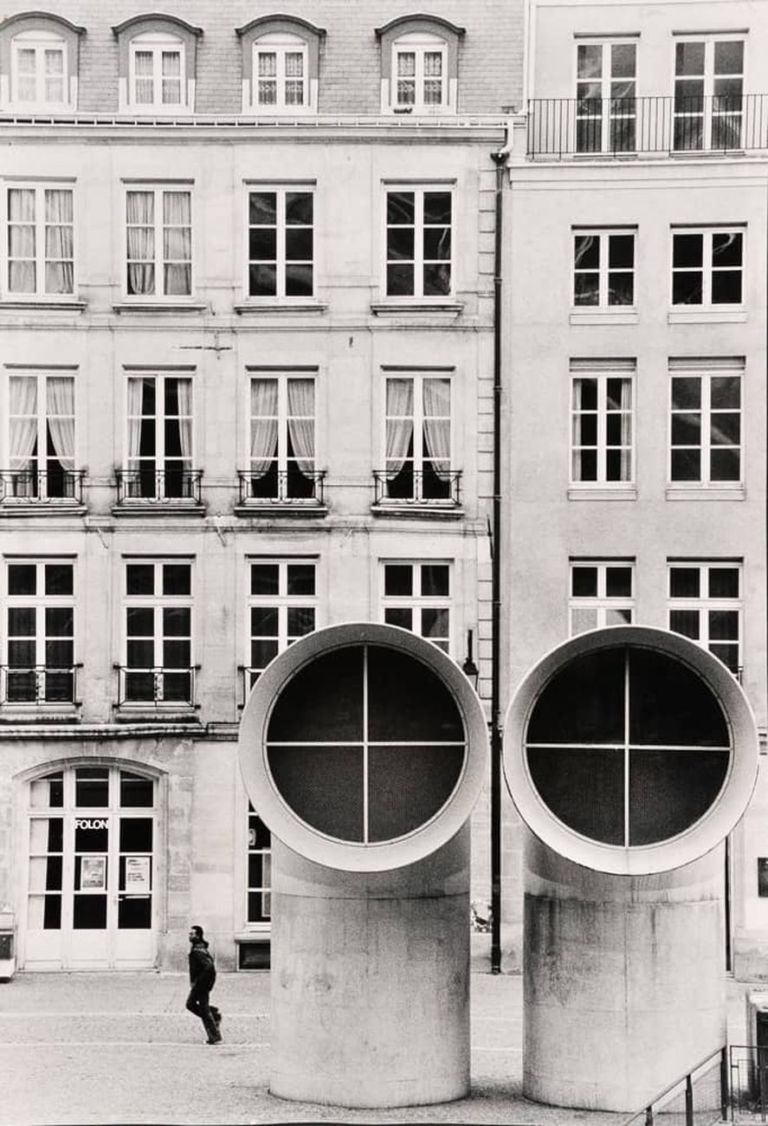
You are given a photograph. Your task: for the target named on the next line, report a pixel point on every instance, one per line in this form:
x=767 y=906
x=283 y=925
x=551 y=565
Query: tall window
x=417 y=597
x=159 y=449
x=705 y=434
x=707 y=266
x=40 y=241
x=282 y=607
x=280 y=72
x=259 y=909
x=156 y=71
x=709 y=87
x=419 y=242
x=39 y=632
x=159 y=242
x=280 y=242
x=41 y=436
x=606 y=111
x=39 y=77
x=282 y=462
x=603 y=268
x=601 y=594
x=419 y=66
x=705 y=605
x=418 y=438
x=601 y=427
x=158 y=633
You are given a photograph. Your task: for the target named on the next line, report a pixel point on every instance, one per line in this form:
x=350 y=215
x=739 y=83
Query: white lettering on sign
x=91 y=823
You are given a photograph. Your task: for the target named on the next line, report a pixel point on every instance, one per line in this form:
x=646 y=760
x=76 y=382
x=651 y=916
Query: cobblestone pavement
x=120 y=1048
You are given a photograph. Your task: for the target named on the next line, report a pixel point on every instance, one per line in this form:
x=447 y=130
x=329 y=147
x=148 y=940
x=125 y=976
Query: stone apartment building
x=246 y=329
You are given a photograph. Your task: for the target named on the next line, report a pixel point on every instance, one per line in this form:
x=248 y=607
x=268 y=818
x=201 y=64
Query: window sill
x=709 y=315
x=16 y=506
x=156 y=713
x=284 y=509
x=39 y=303
x=623 y=316
x=287 y=305
x=705 y=492
x=602 y=492
x=40 y=713
x=159 y=307
x=152 y=507
x=416 y=307
x=419 y=509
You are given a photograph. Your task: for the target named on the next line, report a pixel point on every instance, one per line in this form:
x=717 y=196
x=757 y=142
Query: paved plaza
x=120 y=1048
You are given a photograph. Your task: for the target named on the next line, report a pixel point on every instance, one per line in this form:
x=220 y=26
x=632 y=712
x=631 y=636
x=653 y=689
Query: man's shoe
x=216 y=1040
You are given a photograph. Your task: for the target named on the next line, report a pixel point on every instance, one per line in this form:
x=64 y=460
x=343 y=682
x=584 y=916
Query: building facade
x=246 y=315
x=635 y=420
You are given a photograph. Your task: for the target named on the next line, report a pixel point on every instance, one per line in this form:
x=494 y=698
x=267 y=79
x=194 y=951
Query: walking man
x=202 y=976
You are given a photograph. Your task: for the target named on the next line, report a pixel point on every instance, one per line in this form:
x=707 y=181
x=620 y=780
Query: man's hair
x=198 y=929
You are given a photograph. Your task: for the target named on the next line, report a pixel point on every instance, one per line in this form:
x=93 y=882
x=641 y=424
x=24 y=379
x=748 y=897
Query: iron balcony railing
x=566 y=127
x=139 y=485
x=39 y=486
x=156 y=687
x=38 y=684
x=417 y=487
x=699 y=1098
x=282 y=487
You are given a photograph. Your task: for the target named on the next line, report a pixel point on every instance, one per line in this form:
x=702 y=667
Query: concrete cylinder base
x=370 y=981
x=624 y=986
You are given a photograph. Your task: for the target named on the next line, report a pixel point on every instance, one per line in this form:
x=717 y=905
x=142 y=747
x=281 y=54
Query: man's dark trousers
x=198 y=1003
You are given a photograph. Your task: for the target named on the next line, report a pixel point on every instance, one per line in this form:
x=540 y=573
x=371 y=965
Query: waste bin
x=7 y=945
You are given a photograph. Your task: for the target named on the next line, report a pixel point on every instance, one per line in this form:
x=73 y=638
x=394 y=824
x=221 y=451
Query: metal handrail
x=252 y=121
x=282 y=491
x=157 y=697
x=33 y=485
x=147 y=485
x=646 y=1113
x=449 y=495
x=37 y=676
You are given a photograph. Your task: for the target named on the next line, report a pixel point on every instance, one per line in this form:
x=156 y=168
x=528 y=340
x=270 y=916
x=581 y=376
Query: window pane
x=687 y=250
x=684 y=582
x=265 y=578
x=618 y=582
x=584 y=703
x=140 y=578
x=22 y=578
x=584 y=582
x=301 y=578
x=58 y=578
x=398 y=579
x=177 y=578
x=584 y=788
x=435 y=580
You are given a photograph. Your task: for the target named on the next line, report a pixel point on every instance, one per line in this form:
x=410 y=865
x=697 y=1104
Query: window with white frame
x=418 y=439
x=705 y=605
x=157 y=663
x=39 y=71
x=606 y=108
x=280 y=242
x=420 y=73
x=705 y=421
x=602 y=594
x=158 y=242
x=418 y=597
x=40 y=260
x=259 y=892
x=156 y=74
x=39 y=638
x=282 y=463
x=280 y=72
x=282 y=607
x=603 y=268
x=41 y=436
x=709 y=93
x=419 y=243
x=602 y=441
x=158 y=463
x=707 y=266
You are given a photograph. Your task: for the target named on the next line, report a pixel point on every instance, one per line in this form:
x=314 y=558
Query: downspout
x=500 y=160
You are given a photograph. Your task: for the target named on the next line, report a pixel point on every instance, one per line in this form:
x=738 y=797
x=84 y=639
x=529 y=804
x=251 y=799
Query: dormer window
x=281 y=58
x=419 y=63
x=38 y=63
x=156 y=60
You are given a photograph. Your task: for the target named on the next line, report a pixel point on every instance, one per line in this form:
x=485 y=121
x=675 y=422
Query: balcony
x=156 y=688
x=624 y=127
x=38 y=685
x=39 y=487
x=282 y=488
x=176 y=487
x=416 y=489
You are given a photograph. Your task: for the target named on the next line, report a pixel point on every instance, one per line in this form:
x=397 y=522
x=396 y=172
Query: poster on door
x=137 y=875
x=93 y=873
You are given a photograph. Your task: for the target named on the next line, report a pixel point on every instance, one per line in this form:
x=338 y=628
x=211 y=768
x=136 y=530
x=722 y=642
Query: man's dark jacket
x=202 y=971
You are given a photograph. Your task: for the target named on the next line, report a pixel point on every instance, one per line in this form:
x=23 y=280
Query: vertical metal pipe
x=688 y=1101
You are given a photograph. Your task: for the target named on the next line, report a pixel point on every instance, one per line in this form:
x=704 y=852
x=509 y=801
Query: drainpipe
x=500 y=160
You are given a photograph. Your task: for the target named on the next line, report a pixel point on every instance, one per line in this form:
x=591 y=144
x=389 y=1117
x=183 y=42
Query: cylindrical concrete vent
x=630 y=753
x=363 y=748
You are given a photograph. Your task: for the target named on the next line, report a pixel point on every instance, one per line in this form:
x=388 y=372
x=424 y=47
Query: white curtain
x=23 y=420
x=399 y=424
x=141 y=242
x=263 y=425
x=301 y=422
x=437 y=425
x=184 y=392
x=177 y=242
x=624 y=404
x=135 y=394
x=61 y=418
x=59 y=251
x=21 y=241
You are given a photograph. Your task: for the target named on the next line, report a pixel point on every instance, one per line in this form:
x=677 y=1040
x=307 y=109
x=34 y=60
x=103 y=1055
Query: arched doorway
x=90 y=893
